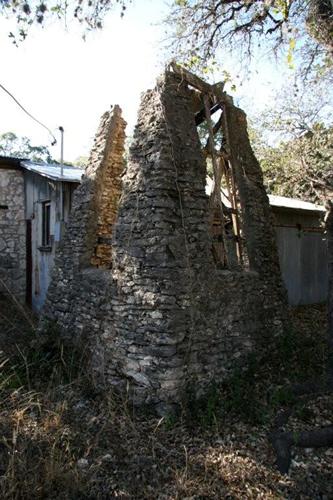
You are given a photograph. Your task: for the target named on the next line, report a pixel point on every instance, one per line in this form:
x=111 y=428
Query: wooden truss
x=224 y=201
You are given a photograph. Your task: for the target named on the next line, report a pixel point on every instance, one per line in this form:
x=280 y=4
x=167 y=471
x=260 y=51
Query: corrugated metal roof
x=284 y=202
x=53 y=171
x=9 y=160
x=274 y=201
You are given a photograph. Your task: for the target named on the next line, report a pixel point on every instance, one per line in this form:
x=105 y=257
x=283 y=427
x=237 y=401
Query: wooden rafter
x=212 y=98
x=216 y=194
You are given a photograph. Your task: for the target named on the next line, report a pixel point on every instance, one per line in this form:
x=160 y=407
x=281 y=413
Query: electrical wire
x=54 y=141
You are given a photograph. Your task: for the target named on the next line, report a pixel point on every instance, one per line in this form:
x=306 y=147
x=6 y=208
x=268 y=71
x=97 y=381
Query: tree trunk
x=283 y=442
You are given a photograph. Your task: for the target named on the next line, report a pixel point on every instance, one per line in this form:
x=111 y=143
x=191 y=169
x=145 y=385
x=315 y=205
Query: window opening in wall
x=3 y=207
x=46 y=224
x=209 y=105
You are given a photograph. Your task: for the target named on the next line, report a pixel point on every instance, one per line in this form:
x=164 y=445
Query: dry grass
x=60 y=439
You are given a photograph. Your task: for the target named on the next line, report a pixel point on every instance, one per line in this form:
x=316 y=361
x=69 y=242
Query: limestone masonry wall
x=71 y=300
x=108 y=187
x=12 y=232
x=163 y=317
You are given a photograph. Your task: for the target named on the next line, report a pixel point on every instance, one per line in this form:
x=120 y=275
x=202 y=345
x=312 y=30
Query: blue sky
x=63 y=80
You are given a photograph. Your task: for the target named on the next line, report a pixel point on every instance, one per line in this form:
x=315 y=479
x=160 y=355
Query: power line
x=29 y=114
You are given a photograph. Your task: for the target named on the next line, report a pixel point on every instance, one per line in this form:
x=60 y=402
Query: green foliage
x=294 y=143
x=260 y=384
x=45 y=360
x=300 y=168
x=305 y=414
x=281 y=396
x=295 y=29
x=21 y=147
x=204 y=410
x=39 y=12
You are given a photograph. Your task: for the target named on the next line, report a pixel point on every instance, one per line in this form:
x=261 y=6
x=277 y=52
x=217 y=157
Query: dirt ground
x=60 y=438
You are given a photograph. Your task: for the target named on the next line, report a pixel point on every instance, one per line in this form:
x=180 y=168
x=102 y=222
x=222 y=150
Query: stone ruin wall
x=164 y=317
x=13 y=233
x=79 y=281
x=256 y=212
x=108 y=187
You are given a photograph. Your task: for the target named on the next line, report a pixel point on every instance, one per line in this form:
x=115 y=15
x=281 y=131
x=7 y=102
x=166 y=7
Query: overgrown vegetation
x=259 y=386
x=60 y=438
x=293 y=140
x=301 y=168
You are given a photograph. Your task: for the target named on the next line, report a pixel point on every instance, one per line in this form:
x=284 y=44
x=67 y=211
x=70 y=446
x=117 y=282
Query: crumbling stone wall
x=176 y=317
x=107 y=186
x=256 y=212
x=164 y=317
x=12 y=232
x=78 y=285
x=162 y=246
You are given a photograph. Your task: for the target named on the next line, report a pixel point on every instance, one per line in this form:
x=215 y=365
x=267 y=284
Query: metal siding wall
x=314 y=284
x=289 y=247
x=303 y=260
x=40 y=189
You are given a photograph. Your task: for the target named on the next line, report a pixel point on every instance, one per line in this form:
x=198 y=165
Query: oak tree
x=199 y=28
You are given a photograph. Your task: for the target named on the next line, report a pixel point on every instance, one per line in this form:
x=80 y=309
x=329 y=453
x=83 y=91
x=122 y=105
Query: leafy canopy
x=21 y=147
x=293 y=140
x=199 y=28
x=300 y=168
x=89 y=13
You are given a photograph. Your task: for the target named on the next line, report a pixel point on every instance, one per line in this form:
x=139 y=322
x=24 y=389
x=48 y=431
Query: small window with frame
x=46 y=224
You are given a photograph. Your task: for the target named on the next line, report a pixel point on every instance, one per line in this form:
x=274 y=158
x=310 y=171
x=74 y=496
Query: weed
x=258 y=385
x=204 y=410
x=49 y=422
x=281 y=396
x=170 y=421
x=50 y=362
x=303 y=413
